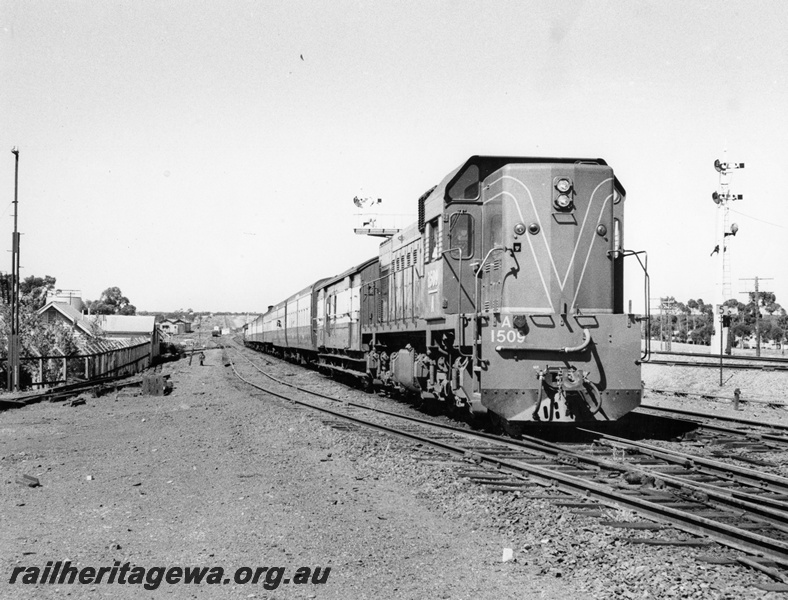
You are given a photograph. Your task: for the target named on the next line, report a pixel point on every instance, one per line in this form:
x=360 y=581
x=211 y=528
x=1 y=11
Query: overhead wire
x=757 y=219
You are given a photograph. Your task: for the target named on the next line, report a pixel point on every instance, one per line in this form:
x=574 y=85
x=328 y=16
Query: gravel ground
x=215 y=476
x=759 y=385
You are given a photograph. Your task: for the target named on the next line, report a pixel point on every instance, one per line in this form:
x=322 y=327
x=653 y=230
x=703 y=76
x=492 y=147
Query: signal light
x=722 y=167
x=718 y=198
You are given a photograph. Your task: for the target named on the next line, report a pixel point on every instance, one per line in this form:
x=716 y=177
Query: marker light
x=519 y=229
x=563 y=185
x=533 y=228
x=601 y=230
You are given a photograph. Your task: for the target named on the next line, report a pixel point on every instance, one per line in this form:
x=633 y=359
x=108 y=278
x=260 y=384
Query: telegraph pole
x=13 y=339
x=757 y=310
x=666 y=306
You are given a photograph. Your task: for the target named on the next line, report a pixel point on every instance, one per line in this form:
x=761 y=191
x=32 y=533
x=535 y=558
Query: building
x=175 y=326
x=129 y=326
x=68 y=314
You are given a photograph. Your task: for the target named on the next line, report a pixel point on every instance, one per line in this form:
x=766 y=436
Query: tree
x=34 y=290
x=112 y=302
x=36 y=337
x=32 y=296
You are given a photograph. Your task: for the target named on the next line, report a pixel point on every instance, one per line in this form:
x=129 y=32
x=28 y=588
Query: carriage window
x=461 y=234
x=467 y=185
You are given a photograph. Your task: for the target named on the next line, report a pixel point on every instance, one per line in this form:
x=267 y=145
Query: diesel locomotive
x=505 y=298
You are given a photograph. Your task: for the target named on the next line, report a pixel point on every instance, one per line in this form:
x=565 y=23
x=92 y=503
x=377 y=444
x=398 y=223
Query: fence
x=101 y=359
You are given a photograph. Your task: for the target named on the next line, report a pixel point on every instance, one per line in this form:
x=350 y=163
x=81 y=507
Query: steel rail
x=765 y=481
x=728 y=535
x=751 y=436
x=727 y=357
x=711 y=365
x=692 y=413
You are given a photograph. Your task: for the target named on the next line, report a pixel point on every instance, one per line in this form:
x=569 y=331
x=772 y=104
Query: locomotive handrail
x=565 y=350
x=644 y=357
x=476 y=277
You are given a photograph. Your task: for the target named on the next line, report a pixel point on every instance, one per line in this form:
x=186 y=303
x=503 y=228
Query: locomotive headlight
x=563 y=202
x=563 y=185
x=519 y=229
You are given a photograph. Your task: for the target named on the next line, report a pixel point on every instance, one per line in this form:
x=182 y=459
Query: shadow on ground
x=633 y=426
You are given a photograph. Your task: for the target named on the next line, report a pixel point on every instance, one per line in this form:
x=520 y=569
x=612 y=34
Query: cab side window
x=461 y=234
x=432 y=240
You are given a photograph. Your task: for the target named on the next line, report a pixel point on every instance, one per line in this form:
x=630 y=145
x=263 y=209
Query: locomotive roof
x=490 y=164
x=326 y=282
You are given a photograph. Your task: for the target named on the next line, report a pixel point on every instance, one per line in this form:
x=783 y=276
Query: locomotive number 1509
x=506 y=335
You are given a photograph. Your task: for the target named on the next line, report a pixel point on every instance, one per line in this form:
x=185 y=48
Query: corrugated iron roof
x=126 y=324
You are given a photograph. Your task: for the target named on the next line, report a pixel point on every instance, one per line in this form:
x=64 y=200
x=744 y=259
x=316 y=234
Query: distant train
x=504 y=298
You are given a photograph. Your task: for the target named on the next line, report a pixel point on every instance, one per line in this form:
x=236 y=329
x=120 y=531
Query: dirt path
x=214 y=476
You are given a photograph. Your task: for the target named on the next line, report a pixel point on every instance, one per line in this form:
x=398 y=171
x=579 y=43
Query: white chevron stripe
x=590 y=246
x=530 y=244
x=561 y=282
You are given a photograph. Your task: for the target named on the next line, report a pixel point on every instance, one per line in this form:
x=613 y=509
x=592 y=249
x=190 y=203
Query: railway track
x=62 y=392
x=739 y=507
x=731 y=431
x=727 y=357
x=716 y=365
x=712 y=361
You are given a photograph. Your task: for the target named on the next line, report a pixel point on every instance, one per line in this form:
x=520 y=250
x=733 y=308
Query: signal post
x=722 y=199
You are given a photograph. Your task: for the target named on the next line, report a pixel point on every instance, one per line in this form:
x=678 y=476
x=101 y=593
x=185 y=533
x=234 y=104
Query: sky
x=205 y=154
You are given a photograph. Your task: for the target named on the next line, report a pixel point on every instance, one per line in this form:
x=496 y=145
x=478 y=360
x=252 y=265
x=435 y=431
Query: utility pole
x=666 y=306
x=13 y=338
x=722 y=199
x=757 y=310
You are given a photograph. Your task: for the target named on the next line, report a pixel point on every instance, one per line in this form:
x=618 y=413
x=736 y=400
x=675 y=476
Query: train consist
x=504 y=298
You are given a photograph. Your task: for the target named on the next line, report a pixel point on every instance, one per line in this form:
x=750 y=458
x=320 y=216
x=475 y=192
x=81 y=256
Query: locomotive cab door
x=460 y=254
